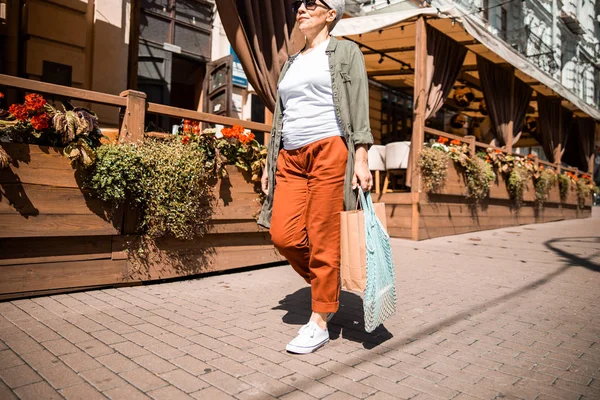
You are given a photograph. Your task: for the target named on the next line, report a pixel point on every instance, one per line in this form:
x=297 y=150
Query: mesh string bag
x=380 y=293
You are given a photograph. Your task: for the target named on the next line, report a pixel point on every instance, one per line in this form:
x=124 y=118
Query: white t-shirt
x=307 y=98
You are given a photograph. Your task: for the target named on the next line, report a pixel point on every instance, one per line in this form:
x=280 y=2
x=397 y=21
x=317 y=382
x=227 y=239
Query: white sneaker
x=310 y=338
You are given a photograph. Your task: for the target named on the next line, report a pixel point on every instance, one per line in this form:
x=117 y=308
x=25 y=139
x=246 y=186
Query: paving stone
x=169 y=393
x=108 y=337
x=130 y=349
x=192 y=365
x=231 y=367
x=184 y=381
x=116 y=362
x=9 y=359
x=154 y=363
x=399 y=390
x=59 y=375
x=125 y=392
x=267 y=384
x=143 y=379
x=102 y=379
x=82 y=391
x=224 y=382
x=80 y=361
x=95 y=348
x=347 y=386
x=308 y=385
x=212 y=394
x=20 y=375
x=37 y=391
x=268 y=368
x=255 y=394
x=60 y=347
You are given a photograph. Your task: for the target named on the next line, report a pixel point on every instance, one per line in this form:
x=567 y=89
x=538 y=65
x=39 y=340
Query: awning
x=372 y=23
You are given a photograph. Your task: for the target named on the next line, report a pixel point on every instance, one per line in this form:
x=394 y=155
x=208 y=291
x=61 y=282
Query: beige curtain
x=580 y=144
x=502 y=108
x=260 y=32
x=445 y=57
x=554 y=123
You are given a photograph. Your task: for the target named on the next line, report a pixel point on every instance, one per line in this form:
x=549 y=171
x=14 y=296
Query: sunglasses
x=309 y=4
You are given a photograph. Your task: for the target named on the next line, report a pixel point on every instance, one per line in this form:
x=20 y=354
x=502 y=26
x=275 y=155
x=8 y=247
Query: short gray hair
x=339 y=7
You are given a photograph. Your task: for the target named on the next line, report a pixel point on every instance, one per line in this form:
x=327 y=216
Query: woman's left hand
x=362 y=175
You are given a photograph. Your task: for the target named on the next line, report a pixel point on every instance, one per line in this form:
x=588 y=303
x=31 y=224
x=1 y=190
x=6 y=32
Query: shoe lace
x=308 y=327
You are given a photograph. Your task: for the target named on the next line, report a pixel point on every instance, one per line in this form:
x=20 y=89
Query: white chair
x=377 y=163
x=396 y=160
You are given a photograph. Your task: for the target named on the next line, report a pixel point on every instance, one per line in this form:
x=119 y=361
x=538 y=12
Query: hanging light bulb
x=380 y=60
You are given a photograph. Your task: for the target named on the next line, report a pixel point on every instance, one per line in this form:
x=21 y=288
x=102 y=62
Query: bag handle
x=369 y=211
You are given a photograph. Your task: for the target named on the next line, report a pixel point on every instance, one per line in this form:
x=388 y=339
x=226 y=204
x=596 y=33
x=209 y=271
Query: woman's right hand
x=264 y=181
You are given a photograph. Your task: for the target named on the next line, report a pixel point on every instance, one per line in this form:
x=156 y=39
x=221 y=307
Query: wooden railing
x=135 y=104
x=473 y=144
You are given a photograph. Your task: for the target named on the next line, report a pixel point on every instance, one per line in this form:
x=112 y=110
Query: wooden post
x=132 y=128
x=134 y=44
x=557 y=157
x=418 y=129
x=268 y=121
x=471 y=140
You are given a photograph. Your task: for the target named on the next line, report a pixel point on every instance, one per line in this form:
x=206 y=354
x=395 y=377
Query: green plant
x=543 y=183
x=516 y=184
x=170 y=181
x=166 y=180
x=433 y=165
x=479 y=175
x=564 y=183
x=584 y=191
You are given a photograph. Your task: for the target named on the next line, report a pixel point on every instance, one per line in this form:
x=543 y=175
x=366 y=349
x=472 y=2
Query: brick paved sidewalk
x=512 y=313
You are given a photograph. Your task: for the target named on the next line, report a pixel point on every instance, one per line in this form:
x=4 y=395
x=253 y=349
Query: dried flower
x=18 y=111
x=4 y=158
x=40 y=122
x=34 y=102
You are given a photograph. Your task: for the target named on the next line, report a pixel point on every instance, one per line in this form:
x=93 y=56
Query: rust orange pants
x=305 y=224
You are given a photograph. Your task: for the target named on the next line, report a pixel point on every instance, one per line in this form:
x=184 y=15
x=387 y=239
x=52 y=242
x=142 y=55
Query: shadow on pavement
x=347 y=323
x=573 y=259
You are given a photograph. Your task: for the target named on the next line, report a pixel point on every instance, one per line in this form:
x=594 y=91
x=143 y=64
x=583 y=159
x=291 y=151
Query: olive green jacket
x=351 y=99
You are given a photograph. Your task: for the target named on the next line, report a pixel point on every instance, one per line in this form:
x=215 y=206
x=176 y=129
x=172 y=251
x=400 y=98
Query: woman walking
x=317 y=156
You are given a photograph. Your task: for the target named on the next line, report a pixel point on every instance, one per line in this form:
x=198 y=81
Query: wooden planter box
x=56 y=237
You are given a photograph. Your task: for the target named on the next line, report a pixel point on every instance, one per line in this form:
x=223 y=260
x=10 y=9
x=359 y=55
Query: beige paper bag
x=353 y=261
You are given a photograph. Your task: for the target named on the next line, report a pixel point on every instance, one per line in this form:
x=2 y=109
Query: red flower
x=247 y=138
x=18 y=111
x=541 y=167
x=235 y=132
x=1 y=95
x=34 y=102
x=498 y=151
x=40 y=122
x=443 y=140
x=185 y=140
x=456 y=142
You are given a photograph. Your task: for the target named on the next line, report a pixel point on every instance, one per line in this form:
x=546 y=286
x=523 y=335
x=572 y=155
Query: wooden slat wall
x=447 y=213
x=55 y=237
x=375 y=112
